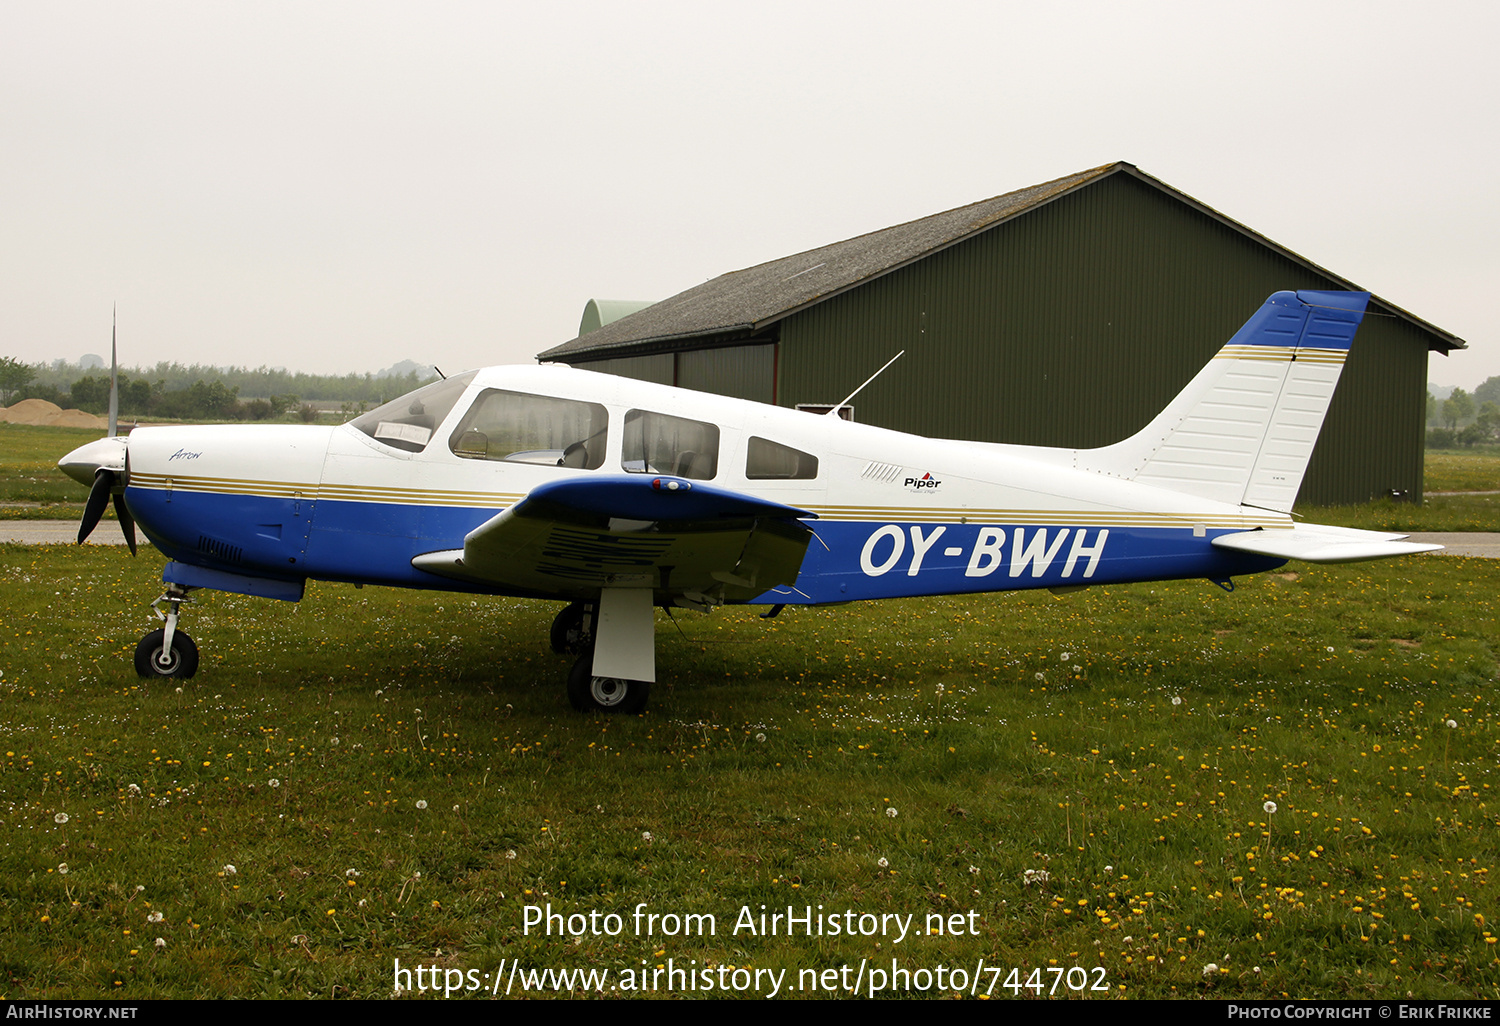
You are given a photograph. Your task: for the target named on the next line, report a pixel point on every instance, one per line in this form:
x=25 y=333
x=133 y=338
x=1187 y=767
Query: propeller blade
x=104 y=483
x=127 y=522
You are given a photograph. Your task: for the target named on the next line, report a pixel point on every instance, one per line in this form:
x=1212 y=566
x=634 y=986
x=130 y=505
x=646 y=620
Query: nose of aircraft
x=85 y=462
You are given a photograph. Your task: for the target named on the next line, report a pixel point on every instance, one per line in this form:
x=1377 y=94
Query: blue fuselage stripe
x=373 y=542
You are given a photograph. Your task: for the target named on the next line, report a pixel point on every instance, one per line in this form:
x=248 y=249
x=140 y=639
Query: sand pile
x=40 y=411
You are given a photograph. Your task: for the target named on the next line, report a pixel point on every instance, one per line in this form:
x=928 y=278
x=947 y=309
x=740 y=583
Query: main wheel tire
x=152 y=659
x=568 y=637
x=604 y=694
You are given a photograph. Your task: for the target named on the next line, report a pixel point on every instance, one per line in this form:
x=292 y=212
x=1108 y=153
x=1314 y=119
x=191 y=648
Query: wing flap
x=1316 y=543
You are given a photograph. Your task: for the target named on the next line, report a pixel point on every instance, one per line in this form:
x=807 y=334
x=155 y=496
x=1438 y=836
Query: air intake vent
x=219 y=550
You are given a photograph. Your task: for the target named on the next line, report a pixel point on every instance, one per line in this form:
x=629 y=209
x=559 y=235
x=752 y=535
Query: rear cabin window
x=517 y=427
x=771 y=461
x=408 y=423
x=658 y=444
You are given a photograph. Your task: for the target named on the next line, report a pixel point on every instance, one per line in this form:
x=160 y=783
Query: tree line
x=201 y=392
x=1465 y=419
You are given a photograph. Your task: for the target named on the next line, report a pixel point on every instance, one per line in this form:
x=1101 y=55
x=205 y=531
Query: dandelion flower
x=62 y=869
x=421 y=803
x=229 y=869
x=1066 y=656
x=760 y=737
x=1210 y=969
x=1330 y=648
x=891 y=812
x=1451 y=724
x=1041 y=676
x=60 y=818
x=1270 y=807
x=883 y=863
x=1176 y=699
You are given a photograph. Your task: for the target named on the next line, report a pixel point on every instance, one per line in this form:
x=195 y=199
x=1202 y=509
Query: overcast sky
x=339 y=186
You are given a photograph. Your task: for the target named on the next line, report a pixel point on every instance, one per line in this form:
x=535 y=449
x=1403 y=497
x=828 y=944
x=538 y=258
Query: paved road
x=65 y=532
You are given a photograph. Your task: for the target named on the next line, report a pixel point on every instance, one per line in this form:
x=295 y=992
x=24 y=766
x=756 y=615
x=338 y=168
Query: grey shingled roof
x=741 y=303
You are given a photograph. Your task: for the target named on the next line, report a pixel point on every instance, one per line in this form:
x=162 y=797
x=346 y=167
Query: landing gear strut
x=167 y=652
x=573 y=630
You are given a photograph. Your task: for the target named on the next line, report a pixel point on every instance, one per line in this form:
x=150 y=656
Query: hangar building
x=1065 y=314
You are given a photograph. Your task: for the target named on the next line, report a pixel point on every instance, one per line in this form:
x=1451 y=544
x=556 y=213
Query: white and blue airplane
x=619 y=496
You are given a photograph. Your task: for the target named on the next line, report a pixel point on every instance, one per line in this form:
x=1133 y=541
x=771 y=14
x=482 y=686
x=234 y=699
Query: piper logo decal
x=916 y=484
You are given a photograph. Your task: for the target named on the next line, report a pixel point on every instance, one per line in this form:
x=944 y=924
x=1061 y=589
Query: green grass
x=28 y=467
x=1437 y=513
x=1462 y=470
x=1122 y=740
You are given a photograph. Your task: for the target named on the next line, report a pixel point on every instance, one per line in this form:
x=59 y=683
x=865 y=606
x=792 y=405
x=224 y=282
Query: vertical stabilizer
x=1244 y=428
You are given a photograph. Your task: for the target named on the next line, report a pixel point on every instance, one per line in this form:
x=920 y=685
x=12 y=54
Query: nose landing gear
x=167 y=652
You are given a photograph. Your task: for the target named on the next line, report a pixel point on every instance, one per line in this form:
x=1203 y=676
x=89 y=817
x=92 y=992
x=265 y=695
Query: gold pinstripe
x=882 y=514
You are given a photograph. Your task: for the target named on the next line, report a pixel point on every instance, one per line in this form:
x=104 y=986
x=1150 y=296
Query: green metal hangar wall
x=1065 y=314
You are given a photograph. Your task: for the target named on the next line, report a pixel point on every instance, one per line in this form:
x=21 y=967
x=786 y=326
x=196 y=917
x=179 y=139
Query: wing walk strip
x=883 y=514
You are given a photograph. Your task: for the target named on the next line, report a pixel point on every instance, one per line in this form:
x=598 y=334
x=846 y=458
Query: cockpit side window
x=518 y=427
x=655 y=443
x=766 y=460
x=409 y=422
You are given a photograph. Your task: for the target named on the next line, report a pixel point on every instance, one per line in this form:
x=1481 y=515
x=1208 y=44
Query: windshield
x=409 y=422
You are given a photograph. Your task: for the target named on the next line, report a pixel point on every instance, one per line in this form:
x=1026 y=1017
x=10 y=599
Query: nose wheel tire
x=604 y=694
x=154 y=659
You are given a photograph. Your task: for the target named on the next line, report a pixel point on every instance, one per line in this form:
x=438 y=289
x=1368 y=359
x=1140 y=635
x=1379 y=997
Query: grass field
x=375 y=775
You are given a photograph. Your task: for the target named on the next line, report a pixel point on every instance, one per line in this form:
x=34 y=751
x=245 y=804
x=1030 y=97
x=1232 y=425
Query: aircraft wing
x=686 y=538
x=1316 y=543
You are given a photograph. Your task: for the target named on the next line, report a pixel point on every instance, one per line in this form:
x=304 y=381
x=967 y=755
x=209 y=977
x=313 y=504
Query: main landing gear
x=614 y=641
x=167 y=652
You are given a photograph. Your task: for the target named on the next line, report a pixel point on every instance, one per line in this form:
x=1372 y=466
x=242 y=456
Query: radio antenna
x=835 y=411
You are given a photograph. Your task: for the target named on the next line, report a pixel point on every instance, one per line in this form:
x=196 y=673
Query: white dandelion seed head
x=139 y=888
x=1210 y=969
x=154 y=917
x=973 y=870
x=1109 y=869
x=62 y=869
x=883 y=863
x=511 y=854
x=133 y=790
x=60 y=818
x=891 y=812
x=1066 y=656
x=455 y=808
x=421 y=803
x=229 y=869
x=646 y=836
x=1270 y=807
x=939 y=689
x=1451 y=725
x=361 y=902
x=179 y=691
x=1176 y=699
x=760 y=737
x=1041 y=676
x=1330 y=648
x=273 y=782
x=351 y=873
x=161 y=942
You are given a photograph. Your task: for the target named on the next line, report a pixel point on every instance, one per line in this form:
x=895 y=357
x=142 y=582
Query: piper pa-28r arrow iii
x=618 y=496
